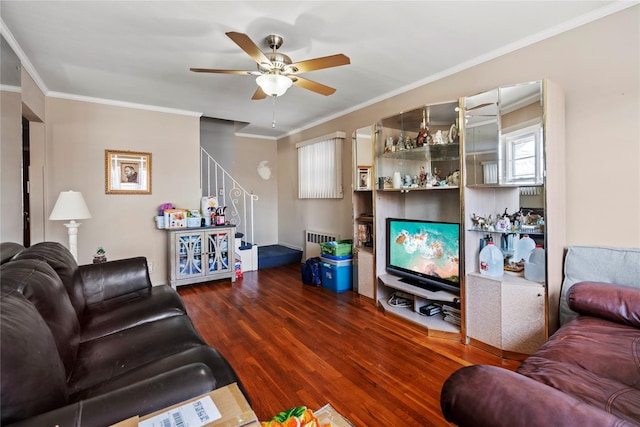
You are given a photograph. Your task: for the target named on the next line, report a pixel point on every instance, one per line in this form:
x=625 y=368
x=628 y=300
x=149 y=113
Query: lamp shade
x=274 y=84
x=70 y=205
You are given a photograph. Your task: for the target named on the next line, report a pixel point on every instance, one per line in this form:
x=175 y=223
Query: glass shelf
x=429 y=152
x=536 y=231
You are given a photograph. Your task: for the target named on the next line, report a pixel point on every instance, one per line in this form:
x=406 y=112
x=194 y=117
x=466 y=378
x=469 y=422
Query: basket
x=337 y=247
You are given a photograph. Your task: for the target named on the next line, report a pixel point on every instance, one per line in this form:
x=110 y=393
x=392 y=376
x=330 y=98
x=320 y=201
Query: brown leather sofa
x=586 y=374
x=95 y=344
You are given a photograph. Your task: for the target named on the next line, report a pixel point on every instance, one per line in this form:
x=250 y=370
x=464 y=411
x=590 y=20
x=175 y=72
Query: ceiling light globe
x=274 y=84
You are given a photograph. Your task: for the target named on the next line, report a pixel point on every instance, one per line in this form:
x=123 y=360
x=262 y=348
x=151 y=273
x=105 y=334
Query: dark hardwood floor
x=293 y=344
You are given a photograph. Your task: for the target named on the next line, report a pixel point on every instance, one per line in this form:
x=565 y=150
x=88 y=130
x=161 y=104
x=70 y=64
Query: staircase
x=215 y=181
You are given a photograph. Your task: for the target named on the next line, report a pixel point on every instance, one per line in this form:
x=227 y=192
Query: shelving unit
x=512 y=316
x=430 y=191
x=435 y=325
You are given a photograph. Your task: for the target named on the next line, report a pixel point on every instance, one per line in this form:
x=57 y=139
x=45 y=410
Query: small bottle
x=534 y=269
x=491 y=261
x=524 y=246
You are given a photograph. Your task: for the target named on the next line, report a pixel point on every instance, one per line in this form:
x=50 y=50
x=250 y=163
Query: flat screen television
x=424 y=253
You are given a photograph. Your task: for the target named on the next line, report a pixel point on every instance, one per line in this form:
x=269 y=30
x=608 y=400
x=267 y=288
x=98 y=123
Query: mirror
x=504 y=136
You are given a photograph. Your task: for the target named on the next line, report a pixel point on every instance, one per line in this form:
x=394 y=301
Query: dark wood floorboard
x=293 y=344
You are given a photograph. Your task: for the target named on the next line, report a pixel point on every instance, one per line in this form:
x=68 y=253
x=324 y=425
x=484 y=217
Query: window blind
x=320 y=167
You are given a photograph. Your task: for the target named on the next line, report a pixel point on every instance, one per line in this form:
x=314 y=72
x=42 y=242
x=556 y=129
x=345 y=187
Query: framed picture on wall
x=364 y=178
x=127 y=172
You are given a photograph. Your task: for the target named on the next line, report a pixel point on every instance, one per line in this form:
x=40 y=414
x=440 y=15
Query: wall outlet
x=150 y=265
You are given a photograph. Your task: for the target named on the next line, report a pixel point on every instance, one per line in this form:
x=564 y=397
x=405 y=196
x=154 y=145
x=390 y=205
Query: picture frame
x=127 y=172
x=364 y=178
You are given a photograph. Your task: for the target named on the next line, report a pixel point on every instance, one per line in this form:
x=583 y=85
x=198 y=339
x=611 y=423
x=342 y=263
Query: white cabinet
x=201 y=255
x=505 y=315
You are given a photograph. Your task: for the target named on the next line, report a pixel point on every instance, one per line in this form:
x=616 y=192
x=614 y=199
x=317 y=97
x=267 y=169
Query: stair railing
x=216 y=181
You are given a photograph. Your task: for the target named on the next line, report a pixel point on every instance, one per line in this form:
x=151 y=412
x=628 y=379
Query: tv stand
x=431 y=288
x=436 y=325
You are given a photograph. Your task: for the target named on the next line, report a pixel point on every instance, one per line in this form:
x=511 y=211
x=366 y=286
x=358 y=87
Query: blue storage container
x=336 y=275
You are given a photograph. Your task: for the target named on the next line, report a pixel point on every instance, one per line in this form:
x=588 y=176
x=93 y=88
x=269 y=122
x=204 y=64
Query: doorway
x=26 y=161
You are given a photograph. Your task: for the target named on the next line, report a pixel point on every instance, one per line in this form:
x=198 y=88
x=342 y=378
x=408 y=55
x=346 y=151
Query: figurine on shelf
x=438 y=139
x=477 y=221
x=388 y=147
x=454 y=178
x=423 y=176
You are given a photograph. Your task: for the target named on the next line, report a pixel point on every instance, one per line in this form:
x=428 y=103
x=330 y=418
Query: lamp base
x=72 y=230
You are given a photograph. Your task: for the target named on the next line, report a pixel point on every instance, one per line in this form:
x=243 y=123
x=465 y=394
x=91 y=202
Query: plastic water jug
x=491 y=261
x=524 y=246
x=534 y=269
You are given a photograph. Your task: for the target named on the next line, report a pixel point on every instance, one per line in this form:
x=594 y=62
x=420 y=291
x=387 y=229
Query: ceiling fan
x=276 y=73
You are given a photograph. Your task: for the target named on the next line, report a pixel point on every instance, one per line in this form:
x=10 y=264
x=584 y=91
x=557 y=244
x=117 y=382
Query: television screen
x=424 y=253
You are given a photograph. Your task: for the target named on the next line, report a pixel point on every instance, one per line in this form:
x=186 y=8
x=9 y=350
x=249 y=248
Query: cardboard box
x=175 y=218
x=230 y=402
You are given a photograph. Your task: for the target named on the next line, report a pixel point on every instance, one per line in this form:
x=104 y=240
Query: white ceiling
x=140 y=52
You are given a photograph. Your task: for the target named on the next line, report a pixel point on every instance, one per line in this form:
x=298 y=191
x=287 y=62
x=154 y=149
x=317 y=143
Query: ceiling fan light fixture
x=274 y=84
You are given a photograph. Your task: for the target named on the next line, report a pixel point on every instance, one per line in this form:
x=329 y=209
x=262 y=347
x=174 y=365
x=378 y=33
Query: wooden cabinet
x=505 y=315
x=201 y=255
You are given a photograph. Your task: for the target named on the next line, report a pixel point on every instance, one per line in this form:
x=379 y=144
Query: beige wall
x=77 y=135
x=10 y=167
x=597 y=65
x=249 y=153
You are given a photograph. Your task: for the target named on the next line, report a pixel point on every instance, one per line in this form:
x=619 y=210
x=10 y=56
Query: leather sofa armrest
x=140 y=398
x=111 y=279
x=490 y=396
x=620 y=304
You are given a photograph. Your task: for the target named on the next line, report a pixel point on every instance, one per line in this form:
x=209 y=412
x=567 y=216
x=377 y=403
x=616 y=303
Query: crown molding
x=123 y=104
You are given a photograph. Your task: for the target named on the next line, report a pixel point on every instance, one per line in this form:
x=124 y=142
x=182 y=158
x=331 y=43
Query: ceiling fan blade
x=249 y=46
x=320 y=63
x=209 y=70
x=313 y=86
x=259 y=94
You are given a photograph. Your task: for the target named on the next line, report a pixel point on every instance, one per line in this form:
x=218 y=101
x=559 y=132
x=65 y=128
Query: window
x=523 y=156
x=320 y=167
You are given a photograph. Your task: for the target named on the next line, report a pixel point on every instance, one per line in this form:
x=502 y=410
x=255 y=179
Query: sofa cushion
x=8 y=250
x=598 y=264
x=62 y=261
x=31 y=372
x=40 y=284
x=107 y=357
x=619 y=304
x=104 y=281
x=593 y=360
x=129 y=310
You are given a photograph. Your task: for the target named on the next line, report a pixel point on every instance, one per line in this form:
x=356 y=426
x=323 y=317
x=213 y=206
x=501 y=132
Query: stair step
x=277 y=255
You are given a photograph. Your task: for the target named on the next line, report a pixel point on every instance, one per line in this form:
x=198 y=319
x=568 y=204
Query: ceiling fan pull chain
x=273 y=121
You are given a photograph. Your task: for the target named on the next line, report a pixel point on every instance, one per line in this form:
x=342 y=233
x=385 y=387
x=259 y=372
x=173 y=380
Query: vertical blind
x=320 y=167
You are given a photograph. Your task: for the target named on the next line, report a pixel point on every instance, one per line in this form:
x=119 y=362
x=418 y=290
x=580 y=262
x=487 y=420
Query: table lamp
x=71 y=206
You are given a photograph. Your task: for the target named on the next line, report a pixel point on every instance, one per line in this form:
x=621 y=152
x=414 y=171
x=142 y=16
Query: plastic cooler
x=336 y=274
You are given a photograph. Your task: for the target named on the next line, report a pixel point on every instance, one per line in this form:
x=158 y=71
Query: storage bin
x=337 y=257
x=337 y=247
x=336 y=275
